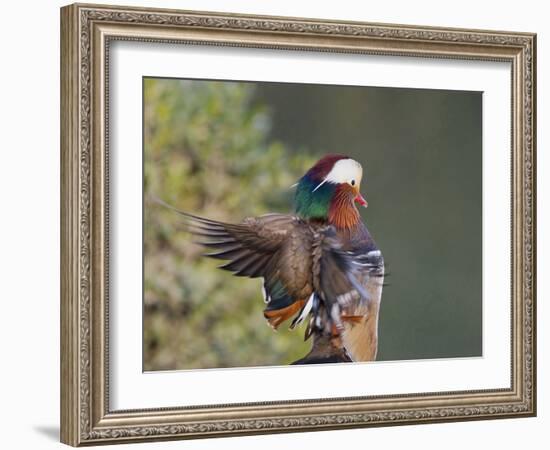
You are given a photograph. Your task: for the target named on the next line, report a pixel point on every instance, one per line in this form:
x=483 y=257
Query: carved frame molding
x=86 y=32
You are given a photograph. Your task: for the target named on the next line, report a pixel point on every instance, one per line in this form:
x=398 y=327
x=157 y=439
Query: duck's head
x=329 y=191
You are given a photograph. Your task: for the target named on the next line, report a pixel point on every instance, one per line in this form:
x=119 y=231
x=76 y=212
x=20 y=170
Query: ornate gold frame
x=86 y=31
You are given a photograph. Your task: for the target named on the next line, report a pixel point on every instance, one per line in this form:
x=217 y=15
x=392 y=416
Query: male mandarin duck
x=319 y=264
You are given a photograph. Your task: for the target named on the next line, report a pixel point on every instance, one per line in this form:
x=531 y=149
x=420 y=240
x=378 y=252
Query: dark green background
x=421 y=153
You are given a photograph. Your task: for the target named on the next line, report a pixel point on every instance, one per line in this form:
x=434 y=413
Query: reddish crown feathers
x=322 y=168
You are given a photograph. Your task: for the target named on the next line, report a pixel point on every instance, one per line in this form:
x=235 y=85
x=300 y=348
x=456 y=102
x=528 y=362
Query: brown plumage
x=320 y=265
x=297 y=260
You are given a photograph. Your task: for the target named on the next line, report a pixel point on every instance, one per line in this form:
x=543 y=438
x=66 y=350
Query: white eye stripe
x=345 y=171
x=320 y=184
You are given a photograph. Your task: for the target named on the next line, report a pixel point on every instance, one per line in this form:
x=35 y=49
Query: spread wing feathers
x=275 y=247
x=305 y=270
x=248 y=247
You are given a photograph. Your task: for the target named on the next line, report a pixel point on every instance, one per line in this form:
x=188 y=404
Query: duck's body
x=319 y=264
x=361 y=339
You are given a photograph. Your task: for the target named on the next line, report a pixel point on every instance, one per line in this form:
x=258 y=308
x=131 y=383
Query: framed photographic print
x=275 y=225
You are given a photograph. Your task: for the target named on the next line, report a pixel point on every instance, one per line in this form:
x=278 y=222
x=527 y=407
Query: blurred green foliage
x=206 y=151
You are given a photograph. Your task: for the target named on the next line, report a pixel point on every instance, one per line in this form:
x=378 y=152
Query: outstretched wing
x=304 y=268
x=275 y=247
x=305 y=271
x=248 y=246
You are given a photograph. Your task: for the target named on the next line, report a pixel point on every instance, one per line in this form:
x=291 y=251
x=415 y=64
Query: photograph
x=292 y=223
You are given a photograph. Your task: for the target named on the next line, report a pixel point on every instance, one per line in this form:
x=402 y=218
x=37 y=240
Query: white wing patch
x=266 y=297
x=305 y=311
